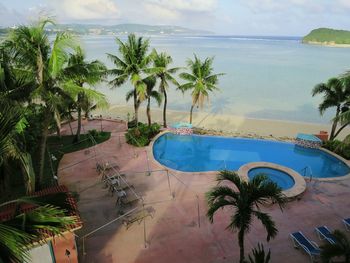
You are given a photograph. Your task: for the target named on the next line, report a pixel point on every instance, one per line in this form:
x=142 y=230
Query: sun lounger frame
x=297 y=244
x=322 y=236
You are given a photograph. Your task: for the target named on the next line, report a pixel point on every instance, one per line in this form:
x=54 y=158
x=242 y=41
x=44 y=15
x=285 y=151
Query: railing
x=304 y=172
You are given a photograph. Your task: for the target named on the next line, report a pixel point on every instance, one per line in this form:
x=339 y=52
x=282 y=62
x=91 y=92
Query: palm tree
x=165 y=75
x=12 y=154
x=246 y=201
x=341 y=248
x=336 y=93
x=80 y=72
x=201 y=81
x=134 y=61
x=26 y=228
x=151 y=93
x=33 y=53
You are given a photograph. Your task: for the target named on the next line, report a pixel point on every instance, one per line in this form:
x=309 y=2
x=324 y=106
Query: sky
x=229 y=17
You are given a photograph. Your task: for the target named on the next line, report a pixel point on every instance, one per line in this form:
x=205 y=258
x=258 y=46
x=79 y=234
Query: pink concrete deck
x=174 y=234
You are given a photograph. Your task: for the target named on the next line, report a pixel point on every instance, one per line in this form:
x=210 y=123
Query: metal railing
x=305 y=170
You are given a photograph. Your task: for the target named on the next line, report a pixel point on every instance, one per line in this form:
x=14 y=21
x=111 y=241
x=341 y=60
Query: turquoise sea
x=266 y=77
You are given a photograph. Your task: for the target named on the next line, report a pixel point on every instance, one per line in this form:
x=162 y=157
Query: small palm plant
x=26 y=228
x=341 y=248
x=245 y=198
x=259 y=255
x=201 y=81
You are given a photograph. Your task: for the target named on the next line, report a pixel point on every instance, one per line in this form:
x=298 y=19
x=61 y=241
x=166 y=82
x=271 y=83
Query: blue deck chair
x=346 y=222
x=310 y=247
x=324 y=233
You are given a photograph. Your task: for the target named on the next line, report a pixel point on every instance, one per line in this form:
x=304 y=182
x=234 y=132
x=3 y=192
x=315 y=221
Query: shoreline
x=326 y=44
x=224 y=123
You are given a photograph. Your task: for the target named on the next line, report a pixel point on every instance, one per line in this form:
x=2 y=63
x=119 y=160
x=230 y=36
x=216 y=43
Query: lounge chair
x=138 y=217
x=325 y=234
x=310 y=247
x=346 y=222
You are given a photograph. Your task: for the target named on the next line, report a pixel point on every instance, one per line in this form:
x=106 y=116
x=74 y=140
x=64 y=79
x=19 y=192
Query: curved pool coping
x=298 y=188
x=150 y=154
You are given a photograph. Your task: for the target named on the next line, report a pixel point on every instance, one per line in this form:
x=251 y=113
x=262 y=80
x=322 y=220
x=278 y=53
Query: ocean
x=265 y=77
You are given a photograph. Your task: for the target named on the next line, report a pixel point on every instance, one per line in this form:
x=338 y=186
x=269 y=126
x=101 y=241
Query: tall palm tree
x=133 y=63
x=82 y=73
x=201 y=80
x=26 y=228
x=245 y=198
x=340 y=249
x=336 y=93
x=34 y=53
x=151 y=93
x=161 y=61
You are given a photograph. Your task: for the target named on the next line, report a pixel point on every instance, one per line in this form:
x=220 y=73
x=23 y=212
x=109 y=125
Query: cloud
x=9 y=17
x=286 y=5
x=86 y=9
x=195 y=6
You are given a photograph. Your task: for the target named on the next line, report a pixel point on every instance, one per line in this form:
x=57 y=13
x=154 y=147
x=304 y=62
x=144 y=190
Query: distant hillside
x=327 y=36
x=95 y=29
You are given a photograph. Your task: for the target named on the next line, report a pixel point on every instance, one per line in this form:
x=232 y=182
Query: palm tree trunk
x=340 y=129
x=241 y=246
x=70 y=126
x=45 y=133
x=136 y=107
x=164 y=108
x=335 y=123
x=191 y=111
x=149 y=111
x=77 y=136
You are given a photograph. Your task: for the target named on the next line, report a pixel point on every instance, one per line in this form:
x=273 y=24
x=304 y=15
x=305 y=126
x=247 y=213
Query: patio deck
x=174 y=233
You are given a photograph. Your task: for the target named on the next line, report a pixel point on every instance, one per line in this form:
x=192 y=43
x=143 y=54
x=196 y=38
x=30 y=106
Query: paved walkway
x=179 y=230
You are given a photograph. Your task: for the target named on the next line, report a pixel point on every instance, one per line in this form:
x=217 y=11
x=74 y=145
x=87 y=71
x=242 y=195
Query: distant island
x=328 y=36
x=121 y=29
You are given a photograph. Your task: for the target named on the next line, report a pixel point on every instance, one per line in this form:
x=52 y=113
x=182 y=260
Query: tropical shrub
x=338 y=147
x=141 y=136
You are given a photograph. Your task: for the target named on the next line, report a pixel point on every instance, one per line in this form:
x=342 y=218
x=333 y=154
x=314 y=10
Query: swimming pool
x=282 y=179
x=197 y=153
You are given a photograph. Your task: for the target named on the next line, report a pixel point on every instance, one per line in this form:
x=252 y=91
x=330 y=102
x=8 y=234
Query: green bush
x=338 y=147
x=142 y=135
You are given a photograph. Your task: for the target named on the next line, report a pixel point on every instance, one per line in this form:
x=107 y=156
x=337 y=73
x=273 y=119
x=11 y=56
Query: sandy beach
x=235 y=125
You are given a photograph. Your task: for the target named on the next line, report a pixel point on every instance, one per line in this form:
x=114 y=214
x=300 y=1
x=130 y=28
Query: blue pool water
x=195 y=153
x=282 y=179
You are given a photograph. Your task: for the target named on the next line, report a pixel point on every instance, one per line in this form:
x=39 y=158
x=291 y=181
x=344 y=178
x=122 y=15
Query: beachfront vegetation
x=336 y=94
x=327 y=36
x=161 y=61
x=142 y=135
x=200 y=81
x=151 y=93
x=245 y=198
x=80 y=73
x=33 y=53
x=134 y=62
x=339 y=250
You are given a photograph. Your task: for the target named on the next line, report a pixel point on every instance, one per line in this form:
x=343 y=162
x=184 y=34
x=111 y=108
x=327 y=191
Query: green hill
x=327 y=36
